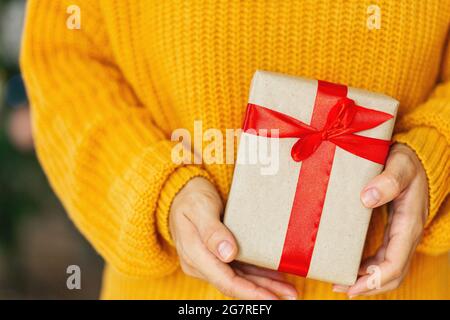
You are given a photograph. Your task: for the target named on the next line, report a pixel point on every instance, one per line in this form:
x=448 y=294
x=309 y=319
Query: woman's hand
x=205 y=247
x=405 y=184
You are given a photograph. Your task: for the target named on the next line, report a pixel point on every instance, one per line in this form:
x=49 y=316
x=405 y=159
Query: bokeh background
x=37 y=240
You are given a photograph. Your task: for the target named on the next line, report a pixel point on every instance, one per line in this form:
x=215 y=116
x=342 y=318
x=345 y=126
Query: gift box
x=303 y=214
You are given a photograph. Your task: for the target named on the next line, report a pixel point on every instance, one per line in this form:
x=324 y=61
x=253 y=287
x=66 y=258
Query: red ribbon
x=335 y=120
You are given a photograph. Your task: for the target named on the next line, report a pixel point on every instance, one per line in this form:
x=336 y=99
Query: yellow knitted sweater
x=105 y=99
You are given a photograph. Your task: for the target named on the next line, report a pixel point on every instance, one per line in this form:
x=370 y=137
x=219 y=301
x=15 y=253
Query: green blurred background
x=37 y=240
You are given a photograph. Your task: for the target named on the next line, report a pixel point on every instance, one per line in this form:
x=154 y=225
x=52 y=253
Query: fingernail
x=225 y=250
x=370 y=197
x=289 y=298
x=340 y=290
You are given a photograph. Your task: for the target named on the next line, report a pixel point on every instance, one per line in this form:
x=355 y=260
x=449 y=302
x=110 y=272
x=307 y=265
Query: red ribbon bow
x=344 y=119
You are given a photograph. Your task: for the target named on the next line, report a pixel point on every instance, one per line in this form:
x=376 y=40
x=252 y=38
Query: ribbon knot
x=339 y=118
x=324 y=135
x=343 y=120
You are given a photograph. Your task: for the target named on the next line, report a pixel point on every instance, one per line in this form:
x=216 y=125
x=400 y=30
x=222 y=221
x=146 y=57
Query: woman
x=106 y=97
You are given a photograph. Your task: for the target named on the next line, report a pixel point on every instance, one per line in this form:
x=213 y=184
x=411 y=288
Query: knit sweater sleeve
x=427 y=131
x=103 y=155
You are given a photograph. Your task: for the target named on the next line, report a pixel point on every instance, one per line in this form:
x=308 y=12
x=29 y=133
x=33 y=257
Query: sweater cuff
x=175 y=182
x=434 y=152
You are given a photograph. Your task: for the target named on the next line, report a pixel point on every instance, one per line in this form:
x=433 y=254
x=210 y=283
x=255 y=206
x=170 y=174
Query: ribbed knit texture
x=106 y=98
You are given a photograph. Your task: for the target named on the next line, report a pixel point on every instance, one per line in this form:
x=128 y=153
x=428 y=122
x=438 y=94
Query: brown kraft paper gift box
x=264 y=204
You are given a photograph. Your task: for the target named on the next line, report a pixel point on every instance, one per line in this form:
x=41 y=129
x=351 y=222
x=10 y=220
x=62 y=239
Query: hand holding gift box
x=307 y=218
